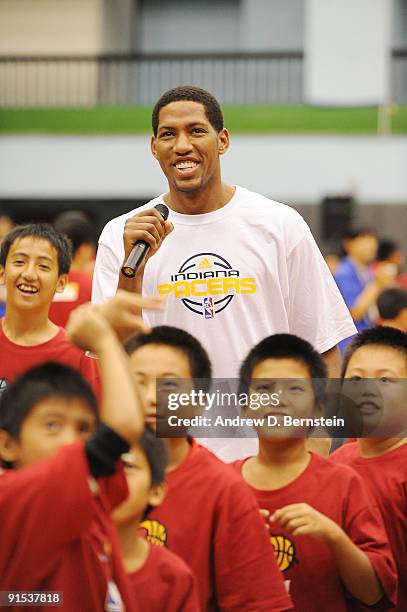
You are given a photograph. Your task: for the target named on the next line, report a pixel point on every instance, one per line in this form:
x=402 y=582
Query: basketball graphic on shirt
x=206 y=283
x=284 y=550
x=156 y=533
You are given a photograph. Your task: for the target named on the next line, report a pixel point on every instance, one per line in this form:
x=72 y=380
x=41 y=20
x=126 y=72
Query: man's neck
x=134 y=549
x=374 y=447
x=178 y=449
x=199 y=202
x=28 y=328
x=277 y=463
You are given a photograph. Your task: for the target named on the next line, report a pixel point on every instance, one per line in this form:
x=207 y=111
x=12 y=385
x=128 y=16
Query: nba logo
x=209 y=311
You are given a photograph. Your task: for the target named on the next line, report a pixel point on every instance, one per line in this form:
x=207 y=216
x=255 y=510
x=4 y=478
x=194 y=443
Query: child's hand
x=121 y=311
x=302 y=519
x=88 y=328
x=265 y=515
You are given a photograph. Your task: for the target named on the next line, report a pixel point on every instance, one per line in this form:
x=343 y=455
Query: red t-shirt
x=211 y=520
x=339 y=493
x=78 y=290
x=386 y=477
x=16 y=359
x=57 y=536
x=165 y=583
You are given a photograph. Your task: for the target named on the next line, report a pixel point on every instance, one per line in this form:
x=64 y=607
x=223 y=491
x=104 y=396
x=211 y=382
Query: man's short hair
x=391 y=302
x=76 y=226
x=190 y=93
x=42 y=231
x=376 y=336
x=285 y=346
x=156 y=454
x=173 y=337
x=48 y=380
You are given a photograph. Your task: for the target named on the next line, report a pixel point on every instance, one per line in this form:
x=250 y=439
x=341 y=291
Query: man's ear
x=157 y=494
x=61 y=283
x=223 y=141
x=9 y=447
x=152 y=145
x=2 y=275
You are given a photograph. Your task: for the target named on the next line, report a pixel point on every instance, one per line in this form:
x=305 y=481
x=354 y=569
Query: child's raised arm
x=94 y=328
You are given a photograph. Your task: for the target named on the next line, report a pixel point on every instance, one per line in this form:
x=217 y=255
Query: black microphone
x=141 y=248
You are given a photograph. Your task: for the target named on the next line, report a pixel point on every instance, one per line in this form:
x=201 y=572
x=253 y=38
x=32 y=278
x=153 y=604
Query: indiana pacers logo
x=284 y=550
x=206 y=283
x=156 y=532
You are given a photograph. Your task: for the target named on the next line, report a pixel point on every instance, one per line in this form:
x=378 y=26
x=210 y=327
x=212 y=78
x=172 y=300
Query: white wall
x=59 y=27
x=288 y=168
x=49 y=27
x=347 y=52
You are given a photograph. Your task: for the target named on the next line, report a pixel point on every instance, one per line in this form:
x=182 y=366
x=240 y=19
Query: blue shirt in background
x=351 y=283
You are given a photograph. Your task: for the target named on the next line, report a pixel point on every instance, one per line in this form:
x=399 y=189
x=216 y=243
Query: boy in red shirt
x=209 y=517
x=34 y=263
x=328 y=538
x=175 y=588
x=56 y=493
x=381 y=353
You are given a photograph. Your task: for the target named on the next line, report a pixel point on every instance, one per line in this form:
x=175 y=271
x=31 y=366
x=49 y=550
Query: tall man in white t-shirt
x=237 y=266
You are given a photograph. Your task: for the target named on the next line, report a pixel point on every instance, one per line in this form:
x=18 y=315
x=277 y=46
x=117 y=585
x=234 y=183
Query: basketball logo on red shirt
x=155 y=532
x=284 y=550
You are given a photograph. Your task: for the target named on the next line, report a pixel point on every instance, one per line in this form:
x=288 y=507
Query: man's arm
x=321 y=444
x=333 y=360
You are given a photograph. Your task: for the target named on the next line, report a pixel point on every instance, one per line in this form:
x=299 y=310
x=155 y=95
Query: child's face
x=31 y=273
x=158 y=361
x=381 y=402
x=363 y=248
x=141 y=492
x=290 y=381
x=50 y=424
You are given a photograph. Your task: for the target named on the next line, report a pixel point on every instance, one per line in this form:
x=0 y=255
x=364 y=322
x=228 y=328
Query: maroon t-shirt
x=386 y=478
x=78 y=290
x=165 y=583
x=56 y=535
x=307 y=563
x=16 y=359
x=211 y=520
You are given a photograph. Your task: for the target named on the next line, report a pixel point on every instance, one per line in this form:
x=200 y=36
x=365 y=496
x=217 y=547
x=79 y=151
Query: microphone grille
x=163 y=210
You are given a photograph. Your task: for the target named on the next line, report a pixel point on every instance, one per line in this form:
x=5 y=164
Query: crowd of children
x=99 y=513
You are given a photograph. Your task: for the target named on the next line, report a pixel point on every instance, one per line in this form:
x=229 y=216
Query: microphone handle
x=141 y=248
x=135 y=259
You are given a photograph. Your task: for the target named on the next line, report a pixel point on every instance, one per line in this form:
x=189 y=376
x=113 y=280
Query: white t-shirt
x=233 y=277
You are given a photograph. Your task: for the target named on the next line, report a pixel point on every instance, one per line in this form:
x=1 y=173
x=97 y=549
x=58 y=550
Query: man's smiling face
x=187 y=146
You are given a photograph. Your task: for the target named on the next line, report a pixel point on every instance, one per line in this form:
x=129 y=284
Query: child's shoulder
x=214 y=466
x=324 y=466
x=346 y=452
x=166 y=563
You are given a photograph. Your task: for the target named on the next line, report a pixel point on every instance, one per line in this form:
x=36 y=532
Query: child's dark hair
x=285 y=346
x=156 y=453
x=376 y=336
x=386 y=248
x=76 y=226
x=190 y=93
x=199 y=362
x=41 y=231
x=37 y=384
x=391 y=302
